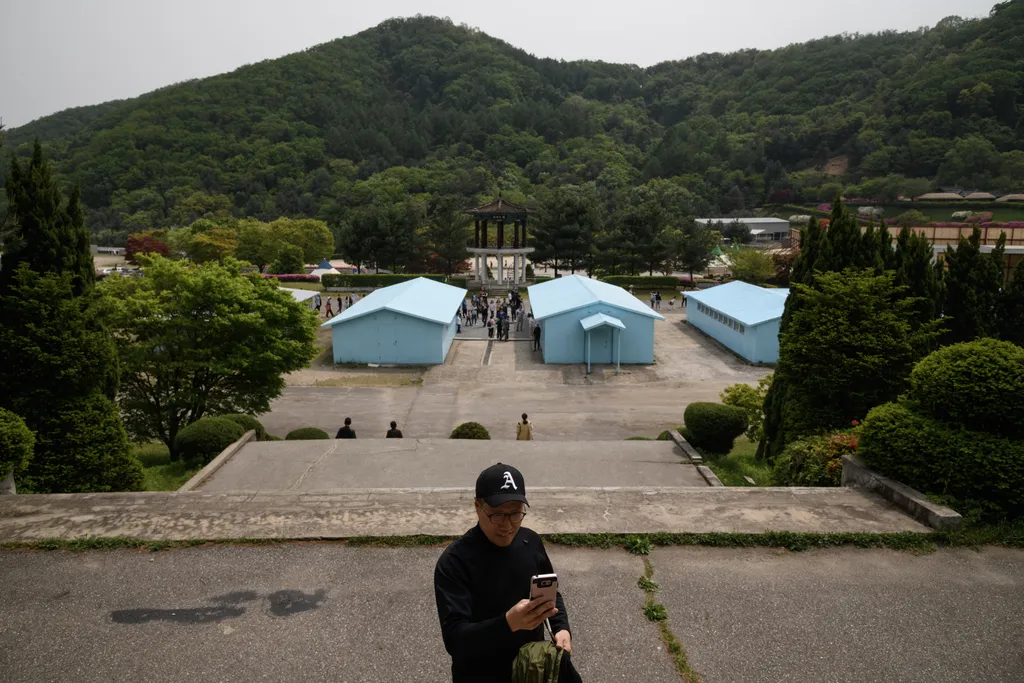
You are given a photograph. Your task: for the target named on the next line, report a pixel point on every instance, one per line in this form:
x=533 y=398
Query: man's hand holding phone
x=530 y=614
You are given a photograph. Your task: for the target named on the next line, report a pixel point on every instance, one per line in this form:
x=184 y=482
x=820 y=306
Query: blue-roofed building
x=411 y=323
x=589 y=321
x=743 y=317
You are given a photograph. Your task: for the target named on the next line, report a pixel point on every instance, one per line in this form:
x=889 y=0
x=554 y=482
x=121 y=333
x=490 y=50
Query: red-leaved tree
x=140 y=243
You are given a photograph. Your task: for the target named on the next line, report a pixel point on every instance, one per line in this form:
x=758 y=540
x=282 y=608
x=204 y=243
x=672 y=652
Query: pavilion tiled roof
x=499 y=206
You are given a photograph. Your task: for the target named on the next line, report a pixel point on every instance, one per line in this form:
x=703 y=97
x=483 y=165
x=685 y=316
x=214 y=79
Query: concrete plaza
x=326 y=612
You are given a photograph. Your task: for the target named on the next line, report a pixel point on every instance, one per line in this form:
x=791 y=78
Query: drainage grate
x=487 y=354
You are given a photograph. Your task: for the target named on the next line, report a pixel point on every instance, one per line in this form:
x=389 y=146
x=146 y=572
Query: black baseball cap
x=499 y=484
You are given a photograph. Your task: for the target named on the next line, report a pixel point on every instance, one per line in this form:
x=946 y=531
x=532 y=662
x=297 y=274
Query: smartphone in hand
x=544 y=586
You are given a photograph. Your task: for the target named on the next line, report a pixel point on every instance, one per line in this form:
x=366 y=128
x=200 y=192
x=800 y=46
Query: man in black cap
x=482 y=586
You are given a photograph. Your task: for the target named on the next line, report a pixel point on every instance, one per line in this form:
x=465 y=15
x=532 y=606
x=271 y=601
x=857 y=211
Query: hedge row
x=642 y=281
x=294 y=277
x=383 y=279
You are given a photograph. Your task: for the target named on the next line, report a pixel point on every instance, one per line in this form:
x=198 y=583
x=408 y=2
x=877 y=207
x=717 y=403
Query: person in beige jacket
x=524 y=430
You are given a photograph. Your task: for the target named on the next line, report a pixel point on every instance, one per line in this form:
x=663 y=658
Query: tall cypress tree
x=50 y=236
x=973 y=284
x=1011 y=308
x=916 y=273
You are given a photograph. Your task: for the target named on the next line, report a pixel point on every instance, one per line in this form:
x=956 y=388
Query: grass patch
x=656 y=612
x=1008 y=535
x=740 y=462
x=160 y=474
x=639 y=438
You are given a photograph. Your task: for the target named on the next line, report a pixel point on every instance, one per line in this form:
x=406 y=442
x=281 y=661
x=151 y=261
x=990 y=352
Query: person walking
x=458 y=323
x=652 y=300
x=341 y=304
x=524 y=430
x=490 y=328
x=394 y=432
x=346 y=432
x=329 y=313
x=519 y=318
x=317 y=303
x=481 y=587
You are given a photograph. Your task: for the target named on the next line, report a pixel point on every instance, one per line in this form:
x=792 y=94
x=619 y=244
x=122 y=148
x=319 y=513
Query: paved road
x=330 y=613
x=408 y=463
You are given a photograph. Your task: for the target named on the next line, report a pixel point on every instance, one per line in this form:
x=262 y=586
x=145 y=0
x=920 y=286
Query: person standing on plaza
x=490 y=328
x=481 y=587
x=536 y=335
x=346 y=432
x=394 y=432
x=317 y=303
x=657 y=299
x=524 y=430
x=652 y=300
x=341 y=304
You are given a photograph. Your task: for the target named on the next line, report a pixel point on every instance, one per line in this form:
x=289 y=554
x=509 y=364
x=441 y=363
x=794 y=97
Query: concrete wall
x=447 y=337
x=757 y=344
x=386 y=337
x=562 y=338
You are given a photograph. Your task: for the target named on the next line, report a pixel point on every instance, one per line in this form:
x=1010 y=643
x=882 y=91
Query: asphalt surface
x=402 y=463
x=846 y=615
x=322 y=612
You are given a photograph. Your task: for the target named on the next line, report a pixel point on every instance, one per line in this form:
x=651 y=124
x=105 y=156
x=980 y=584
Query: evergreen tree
x=448 y=233
x=289 y=260
x=565 y=228
x=973 y=284
x=51 y=235
x=1011 y=308
x=916 y=273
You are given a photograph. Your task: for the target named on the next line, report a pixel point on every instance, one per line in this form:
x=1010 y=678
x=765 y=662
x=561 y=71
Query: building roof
x=421 y=298
x=766 y=222
x=981 y=195
x=1011 y=198
x=599 y=319
x=300 y=294
x=749 y=304
x=571 y=292
x=500 y=207
x=940 y=195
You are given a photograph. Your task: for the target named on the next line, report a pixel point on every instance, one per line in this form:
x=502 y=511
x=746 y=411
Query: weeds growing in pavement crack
x=656 y=612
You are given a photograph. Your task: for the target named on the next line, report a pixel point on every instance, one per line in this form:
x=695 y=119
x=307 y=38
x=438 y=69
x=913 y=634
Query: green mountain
x=425 y=107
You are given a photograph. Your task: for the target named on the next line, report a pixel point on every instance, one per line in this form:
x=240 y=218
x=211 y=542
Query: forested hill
x=425 y=107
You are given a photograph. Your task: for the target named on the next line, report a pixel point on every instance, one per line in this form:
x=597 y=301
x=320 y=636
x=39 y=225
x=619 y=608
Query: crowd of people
x=497 y=314
x=330 y=312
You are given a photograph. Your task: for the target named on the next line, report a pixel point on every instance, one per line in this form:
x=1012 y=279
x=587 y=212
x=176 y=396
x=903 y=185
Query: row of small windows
x=724 y=319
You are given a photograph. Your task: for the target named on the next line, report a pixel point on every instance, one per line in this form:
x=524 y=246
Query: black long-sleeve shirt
x=475 y=584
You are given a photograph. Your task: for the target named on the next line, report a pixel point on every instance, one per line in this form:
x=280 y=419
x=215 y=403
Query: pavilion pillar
x=515 y=234
x=524 y=232
x=483 y=235
x=515 y=268
x=476 y=235
x=501 y=233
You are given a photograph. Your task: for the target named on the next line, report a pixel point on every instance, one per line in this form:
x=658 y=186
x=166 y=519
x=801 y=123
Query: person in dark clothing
x=536 y=337
x=394 y=432
x=346 y=432
x=482 y=586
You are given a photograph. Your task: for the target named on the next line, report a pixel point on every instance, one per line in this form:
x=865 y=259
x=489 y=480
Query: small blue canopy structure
x=325 y=264
x=601 y=320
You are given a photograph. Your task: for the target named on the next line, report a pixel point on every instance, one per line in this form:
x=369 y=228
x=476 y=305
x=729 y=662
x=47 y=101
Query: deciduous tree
x=202 y=340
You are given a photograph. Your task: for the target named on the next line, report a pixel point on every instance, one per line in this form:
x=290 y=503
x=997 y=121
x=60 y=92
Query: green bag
x=537 y=662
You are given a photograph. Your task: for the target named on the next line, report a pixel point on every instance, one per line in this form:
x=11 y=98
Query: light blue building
x=584 y=321
x=745 y=318
x=411 y=323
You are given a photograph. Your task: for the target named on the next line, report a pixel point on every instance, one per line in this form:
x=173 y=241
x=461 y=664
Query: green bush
x=204 y=439
x=642 y=281
x=372 y=280
x=977 y=469
x=306 y=434
x=979 y=385
x=751 y=402
x=248 y=422
x=714 y=426
x=271 y=437
x=814 y=460
x=81 y=447
x=460 y=282
x=16 y=443
x=542 y=278
x=470 y=430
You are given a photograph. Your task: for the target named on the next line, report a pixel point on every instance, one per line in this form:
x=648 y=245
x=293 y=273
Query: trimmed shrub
x=714 y=426
x=751 y=402
x=306 y=434
x=814 y=461
x=81 y=447
x=373 y=280
x=977 y=470
x=204 y=439
x=248 y=422
x=642 y=281
x=16 y=443
x=470 y=430
x=542 y=278
x=271 y=437
x=978 y=384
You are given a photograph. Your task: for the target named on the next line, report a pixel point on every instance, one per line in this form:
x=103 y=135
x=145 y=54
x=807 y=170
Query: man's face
x=502 y=533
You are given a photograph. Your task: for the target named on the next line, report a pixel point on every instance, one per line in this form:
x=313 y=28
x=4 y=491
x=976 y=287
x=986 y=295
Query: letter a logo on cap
x=509 y=482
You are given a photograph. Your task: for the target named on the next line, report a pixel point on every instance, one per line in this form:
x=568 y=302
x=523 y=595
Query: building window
x=743 y=329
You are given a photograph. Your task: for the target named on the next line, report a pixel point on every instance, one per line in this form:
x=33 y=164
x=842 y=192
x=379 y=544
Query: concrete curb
x=710 y=477
x=218 y=462
x=689 y=451
x=857 y=475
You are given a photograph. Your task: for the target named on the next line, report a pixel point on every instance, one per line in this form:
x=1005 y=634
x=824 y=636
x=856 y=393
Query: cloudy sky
x=56 y=54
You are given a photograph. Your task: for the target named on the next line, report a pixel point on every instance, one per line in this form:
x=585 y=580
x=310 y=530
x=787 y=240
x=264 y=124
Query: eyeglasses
x=499 y=517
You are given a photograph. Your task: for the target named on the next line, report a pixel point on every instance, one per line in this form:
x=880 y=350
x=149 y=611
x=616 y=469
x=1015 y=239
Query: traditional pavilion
x=503 y=213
